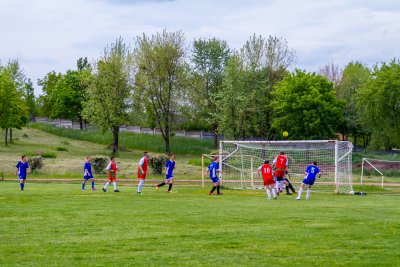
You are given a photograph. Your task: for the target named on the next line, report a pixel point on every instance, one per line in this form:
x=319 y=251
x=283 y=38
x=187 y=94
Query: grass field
x=53 y=224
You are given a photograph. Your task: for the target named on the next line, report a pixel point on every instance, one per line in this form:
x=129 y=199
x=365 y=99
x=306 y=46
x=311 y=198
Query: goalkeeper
x=288 y=184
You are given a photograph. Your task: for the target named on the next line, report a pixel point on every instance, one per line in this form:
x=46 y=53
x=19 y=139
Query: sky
x=47 y=35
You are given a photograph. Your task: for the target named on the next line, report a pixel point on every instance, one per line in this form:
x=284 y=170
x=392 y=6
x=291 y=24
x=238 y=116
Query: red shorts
x=111 y=178
x=269 y=180
x=279 y=174
x=141 y=175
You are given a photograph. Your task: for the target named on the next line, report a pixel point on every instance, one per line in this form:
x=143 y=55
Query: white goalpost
x=382 y=175
x=239 y=160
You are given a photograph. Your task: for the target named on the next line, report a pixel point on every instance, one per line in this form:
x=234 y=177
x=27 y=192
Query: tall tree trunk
x=215 y=136
x=6 y=137
x=10 y=135
x=167 y=143
x=81 y=123
x=355 y=141
x=115 y=131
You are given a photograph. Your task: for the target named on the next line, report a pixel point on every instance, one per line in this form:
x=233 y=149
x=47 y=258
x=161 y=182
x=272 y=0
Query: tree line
x=160 y=80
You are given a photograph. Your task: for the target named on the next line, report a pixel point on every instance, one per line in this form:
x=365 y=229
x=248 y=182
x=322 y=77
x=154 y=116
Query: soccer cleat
x=157 y=188
x=289 y=194
x=211 y=194
x=275 y=198
x=116 y=190
x=169 y=191
x=268 y=198
x=220 y=193
x=297 y=198
x=307 y=198
x=104 y=190
x=94 y=189
x=83 y=190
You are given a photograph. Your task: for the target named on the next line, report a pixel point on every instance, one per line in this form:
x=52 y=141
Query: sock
x=291 y=187
x=92 y=184
x=287 y=189
x=268 y=193
x=140 y=186
x=308 y=194
x=212 y=190
x=300 y=192
x=281 y=185
x=105 y=186
x=218 y=187
x=115 y=185
x=163 y=183
x=83 y=186
x=277 y=185
x=22 y=186
x=169 y=187
x=274 y=192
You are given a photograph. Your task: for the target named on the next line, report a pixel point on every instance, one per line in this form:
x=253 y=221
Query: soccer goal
x=240 y=160
x=384 y=173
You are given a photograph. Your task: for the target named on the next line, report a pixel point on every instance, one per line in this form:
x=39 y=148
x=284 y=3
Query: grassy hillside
x=69 y=163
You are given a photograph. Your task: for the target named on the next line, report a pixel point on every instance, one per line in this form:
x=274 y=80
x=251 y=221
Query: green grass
x=155 y=143
x=58 y=225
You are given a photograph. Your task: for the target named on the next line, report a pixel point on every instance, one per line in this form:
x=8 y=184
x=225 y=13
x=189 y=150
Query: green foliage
x=25 y=135
x=378 y=102
x=61 y=148
x=49 y=155
x=65 y=142
x=305 y=105
x=49 y=83
x=157 y=163
x=196 y=162
x=155 y=143
x=99 y=163
x=35 y=163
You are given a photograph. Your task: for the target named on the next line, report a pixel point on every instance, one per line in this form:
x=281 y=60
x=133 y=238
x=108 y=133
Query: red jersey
x=280 y=162
x=144 y=163
x=112 y=168
x=266 y=171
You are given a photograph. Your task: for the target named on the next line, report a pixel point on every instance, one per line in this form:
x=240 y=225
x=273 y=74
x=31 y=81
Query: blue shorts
x=22 y=177
x=88 y=177
x=308 y=181
x=215 y=179
x=169 y=177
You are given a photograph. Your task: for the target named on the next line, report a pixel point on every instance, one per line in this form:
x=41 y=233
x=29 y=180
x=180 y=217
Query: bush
x=35 y=163
x=65 y=142
x=60 y=148
x=25 y=135
x=99 y=163
x=49 y=155
x=157 y=163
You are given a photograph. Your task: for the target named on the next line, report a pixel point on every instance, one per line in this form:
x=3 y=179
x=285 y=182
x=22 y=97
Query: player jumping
x=142 y=171
x=87 y=174
x=169 y=177
x=311 y=174
x=112 y=169
x=269 y=182
x=21 y=169
x=280 y=163
x=214 y=169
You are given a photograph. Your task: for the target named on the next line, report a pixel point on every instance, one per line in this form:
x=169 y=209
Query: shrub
x=49 y=155
x=35 y=163
x=99 y=163
x=65 y=142
x=157 y=163
x=60 y=148
x=25 y=135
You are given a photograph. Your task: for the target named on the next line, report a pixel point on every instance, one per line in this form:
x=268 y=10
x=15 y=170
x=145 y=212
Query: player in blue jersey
x=312 y=172
x=169 y=177
x=213 y=168
x=87 y=173
x=21 y=169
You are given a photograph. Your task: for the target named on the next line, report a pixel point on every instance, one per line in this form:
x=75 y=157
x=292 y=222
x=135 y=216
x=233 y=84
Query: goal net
x=378 y=172
x=239 y=160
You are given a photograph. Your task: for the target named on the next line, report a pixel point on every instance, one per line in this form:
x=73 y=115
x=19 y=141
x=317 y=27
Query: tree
x=108 y=101
x=355 y=75
x=305 y=105
x=209 y=58
x=161 y=77
x=30 y=99
x=332 y=72
x=45 y=104
x=379 y=104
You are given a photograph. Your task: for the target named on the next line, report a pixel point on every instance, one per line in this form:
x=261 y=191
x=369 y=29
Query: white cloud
x=51 y=35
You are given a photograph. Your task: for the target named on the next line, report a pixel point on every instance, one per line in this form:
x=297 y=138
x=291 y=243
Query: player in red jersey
x=280 y=163
x=112 y=169
x=266 y=171
x=142 y=171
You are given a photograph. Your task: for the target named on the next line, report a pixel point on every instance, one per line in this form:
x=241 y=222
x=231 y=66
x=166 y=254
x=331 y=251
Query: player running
x=87 y=173
x=213 y=168
x=280 y=163
x=112 y=169
x=21 y=169
x=169 y=177
x=142 y=171
x=311 y=174
x=269 y=182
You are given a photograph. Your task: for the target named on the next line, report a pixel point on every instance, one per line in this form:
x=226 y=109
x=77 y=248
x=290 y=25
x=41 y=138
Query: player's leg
x=273 y=190
x=219 y=188
x=115 y=185
x=140 y=185
x=107 y=184
x=22 y=183
x=290 y=186
x=170 y=183
x=83 y=183
x=93 y=188
x=308 y=192
x=268 y=191
x=300 y=190
x=286 y=187
x=216 y=183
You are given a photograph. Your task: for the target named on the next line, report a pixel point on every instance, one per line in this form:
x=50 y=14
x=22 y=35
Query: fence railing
x=68 y=124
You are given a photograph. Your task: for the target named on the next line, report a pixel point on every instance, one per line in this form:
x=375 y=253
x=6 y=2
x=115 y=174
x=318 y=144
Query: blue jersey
x=87 y=166
x=214 y=166
x=170 y=168
x=312 y=172
x=22 y=167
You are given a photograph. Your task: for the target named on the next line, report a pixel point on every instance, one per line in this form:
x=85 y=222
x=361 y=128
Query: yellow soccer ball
x=285 y=134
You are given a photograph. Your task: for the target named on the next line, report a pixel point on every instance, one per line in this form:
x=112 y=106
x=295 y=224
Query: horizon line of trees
x=161 y=81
